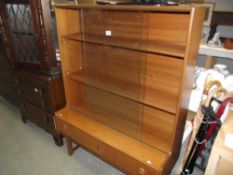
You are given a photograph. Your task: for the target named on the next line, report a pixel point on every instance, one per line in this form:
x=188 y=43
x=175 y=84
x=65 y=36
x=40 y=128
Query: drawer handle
x=141 y=171
x=45 y=119
x=38 y=91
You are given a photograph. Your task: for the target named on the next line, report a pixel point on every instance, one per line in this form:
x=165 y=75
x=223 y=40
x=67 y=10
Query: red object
x=213 y=125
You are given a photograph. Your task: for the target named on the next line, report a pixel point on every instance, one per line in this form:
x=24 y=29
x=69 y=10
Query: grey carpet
x=26 y=149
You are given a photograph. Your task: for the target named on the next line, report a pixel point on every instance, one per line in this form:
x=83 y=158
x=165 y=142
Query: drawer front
x=34 y=86
x=81 y=138
x=123 y=161
x=42 y=103
x=39 y=117
x=35 y=91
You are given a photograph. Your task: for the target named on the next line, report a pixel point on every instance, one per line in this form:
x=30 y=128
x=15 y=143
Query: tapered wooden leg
x=69 y=146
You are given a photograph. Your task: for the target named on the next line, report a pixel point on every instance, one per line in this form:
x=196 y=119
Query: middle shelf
x=138 y=43
x=126 y=116
x=154 y=98
x=151 y=79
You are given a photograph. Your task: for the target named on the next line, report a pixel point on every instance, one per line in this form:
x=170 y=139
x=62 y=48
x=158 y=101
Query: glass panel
x=110 y=77
x=109 y=109
x=21 y=25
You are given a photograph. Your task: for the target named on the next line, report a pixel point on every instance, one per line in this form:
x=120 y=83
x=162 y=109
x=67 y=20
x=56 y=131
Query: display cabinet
x=128 y=73
x=27 y=31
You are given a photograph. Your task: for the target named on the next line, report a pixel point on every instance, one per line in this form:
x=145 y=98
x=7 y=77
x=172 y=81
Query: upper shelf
x=152 y=46
x=218 y=52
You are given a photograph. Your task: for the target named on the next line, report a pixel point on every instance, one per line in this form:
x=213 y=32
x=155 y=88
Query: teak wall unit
x=128 y=73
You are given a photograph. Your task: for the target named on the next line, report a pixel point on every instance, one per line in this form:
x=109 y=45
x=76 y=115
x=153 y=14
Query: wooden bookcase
x=128 y=73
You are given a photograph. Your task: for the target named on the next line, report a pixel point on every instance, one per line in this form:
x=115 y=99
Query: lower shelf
x=126 y=153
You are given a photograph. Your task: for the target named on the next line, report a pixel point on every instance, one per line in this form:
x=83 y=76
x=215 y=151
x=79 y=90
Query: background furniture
x=27 y=34
x=127 y=73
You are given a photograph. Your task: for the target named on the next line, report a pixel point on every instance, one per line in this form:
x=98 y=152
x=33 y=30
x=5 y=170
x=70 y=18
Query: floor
x=26 y=149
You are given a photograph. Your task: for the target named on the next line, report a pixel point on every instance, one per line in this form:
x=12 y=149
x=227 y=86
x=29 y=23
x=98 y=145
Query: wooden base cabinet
x=128 y=73
x=40 y=96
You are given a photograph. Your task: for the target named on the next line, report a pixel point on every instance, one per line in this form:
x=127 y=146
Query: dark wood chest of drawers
x=40 y=96
x=7 y=85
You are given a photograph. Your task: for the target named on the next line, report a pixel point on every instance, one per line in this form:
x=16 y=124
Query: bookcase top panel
x=181 y=9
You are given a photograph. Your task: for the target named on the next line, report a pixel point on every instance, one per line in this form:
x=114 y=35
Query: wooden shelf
x=156 y=46
x=221 y=10
x=217 y=52
x=124 y=93
x=137 y=150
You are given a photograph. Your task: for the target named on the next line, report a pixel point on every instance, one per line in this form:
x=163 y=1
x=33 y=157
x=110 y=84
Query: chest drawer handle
x=38 y=91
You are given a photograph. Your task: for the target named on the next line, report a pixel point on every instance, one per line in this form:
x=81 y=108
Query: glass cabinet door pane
x=21 y=25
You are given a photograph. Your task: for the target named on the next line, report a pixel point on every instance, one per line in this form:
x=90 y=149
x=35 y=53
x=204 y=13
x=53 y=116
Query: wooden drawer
x=39 y=117
x=123 y=161
x=33 y=95
x=79 y=137
x=33 y=86
x=44 y=91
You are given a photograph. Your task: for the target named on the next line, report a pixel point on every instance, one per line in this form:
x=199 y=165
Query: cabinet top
x=184 y=9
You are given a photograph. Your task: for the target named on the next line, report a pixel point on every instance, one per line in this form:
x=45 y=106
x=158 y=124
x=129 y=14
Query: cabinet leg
x=70 y=147
x=24 y=119
x=58 y=140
